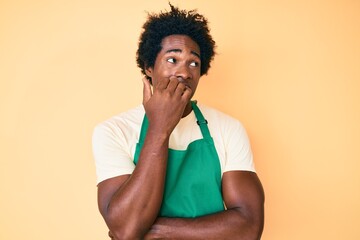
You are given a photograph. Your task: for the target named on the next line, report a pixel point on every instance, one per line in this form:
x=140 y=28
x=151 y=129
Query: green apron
x=193 y=177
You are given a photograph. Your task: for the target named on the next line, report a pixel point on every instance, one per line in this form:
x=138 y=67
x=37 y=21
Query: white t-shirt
x=114 y=141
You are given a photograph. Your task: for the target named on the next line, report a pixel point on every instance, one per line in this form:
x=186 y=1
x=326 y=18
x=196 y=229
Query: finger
x=173 y=83
x=110 y=235
x=161 y=84
x=180 y=88
x=147 y=93
x=187 y=94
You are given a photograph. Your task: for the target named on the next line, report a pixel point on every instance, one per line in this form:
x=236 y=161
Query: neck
x=187 y=110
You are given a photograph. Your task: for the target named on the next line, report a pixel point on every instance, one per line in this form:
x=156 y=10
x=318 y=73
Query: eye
x=194 y=64
x=171 y=60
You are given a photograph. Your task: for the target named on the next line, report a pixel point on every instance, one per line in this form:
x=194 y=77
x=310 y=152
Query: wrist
x=158 y=133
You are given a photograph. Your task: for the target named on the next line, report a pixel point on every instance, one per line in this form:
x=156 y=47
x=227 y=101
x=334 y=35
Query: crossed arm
x=243 y=219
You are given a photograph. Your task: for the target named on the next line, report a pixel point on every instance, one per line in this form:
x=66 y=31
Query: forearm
x=229 y=224
x=130 y=204
x=134 y=207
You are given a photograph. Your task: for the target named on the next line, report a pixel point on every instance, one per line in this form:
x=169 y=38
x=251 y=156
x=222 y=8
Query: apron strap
x=144 y=127
x=201 y=121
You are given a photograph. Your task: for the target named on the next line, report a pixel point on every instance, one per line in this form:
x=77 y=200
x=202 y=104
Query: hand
x=156 y=232
x=159 y=230
x=165 y=106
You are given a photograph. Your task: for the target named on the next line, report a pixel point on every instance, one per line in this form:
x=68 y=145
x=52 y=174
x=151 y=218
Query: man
x=172 y=168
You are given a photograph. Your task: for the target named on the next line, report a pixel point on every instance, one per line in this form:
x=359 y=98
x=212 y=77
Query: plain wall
x=288 y=70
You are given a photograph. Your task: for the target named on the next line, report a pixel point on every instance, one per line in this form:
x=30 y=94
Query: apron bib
x=193 y=176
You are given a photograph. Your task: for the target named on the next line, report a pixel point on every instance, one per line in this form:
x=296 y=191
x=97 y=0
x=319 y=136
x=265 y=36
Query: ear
x=149 y=71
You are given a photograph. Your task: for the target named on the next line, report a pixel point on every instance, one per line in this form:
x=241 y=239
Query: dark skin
x=130 y=203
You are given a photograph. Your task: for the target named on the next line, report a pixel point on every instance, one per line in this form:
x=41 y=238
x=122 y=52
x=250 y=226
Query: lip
x=180 y=79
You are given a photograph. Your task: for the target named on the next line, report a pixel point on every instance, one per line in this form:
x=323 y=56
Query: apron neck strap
x=144 y=128
x=201 y=121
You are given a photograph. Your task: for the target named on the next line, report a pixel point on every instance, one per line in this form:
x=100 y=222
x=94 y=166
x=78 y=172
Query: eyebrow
x=179 y=50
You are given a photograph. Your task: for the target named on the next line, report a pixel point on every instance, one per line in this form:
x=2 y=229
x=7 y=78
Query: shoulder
x=220 y=120
x=113 y=143
x=121 y=124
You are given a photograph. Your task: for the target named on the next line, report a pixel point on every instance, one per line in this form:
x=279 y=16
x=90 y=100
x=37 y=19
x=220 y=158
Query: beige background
x=289 y=70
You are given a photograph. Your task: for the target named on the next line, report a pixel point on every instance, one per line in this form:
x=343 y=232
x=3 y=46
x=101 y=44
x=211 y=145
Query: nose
x=183 y=72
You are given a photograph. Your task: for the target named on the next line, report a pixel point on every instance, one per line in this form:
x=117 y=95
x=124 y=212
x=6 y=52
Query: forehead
x=182 y=42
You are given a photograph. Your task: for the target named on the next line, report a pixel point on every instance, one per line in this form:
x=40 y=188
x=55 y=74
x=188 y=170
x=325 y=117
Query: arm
x=243 y=219
x=130 y=203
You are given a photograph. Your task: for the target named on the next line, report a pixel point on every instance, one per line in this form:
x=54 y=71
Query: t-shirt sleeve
x=111 y=154
x=238 y=150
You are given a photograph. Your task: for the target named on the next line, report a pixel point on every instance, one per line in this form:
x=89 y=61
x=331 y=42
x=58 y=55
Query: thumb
x=147 y=93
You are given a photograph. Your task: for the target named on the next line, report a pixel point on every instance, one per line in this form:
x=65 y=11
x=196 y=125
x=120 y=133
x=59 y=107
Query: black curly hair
x=176 y=21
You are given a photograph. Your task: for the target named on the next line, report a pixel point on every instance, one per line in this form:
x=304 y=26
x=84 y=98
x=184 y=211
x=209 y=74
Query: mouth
x=180 y=79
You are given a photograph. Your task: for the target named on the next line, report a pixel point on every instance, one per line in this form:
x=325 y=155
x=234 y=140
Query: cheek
x=196 y=74
x=195 y=82
x=164 y=71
